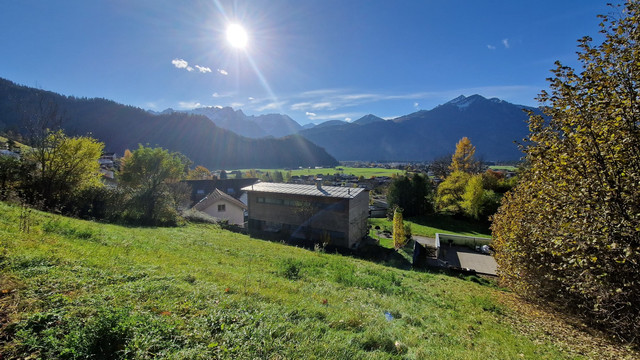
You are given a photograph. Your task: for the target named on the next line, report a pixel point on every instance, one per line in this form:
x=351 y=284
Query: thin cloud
x=334 y=116
x=203 y=69
x=300 y=106
x=223 y=71
x=218 y=95
x=322 y=105
x=505 y=42
x=347 y=119
x=416 y=105
x=236 y=105
x=310 y=114
x=189 y=104
x=491 y=47
x=271 y=106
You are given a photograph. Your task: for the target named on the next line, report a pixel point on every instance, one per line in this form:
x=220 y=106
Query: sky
x=314 y=60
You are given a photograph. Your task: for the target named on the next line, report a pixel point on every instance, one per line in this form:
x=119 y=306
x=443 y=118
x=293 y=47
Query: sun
x=237 y=36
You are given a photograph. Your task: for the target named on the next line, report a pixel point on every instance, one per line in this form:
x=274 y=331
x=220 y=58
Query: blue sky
x=314 y=60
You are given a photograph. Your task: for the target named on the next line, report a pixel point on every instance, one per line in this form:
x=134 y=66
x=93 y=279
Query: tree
x=199 y=173
x=399 y=194
x=399 y=238
x=147 y=173
x=463 y=158
x=278 y=177
x=423 y=195
x=440 y=166
x=450 y=192
x=63 y=165
x=570 y=230
x=472 y=198
x=9 y=175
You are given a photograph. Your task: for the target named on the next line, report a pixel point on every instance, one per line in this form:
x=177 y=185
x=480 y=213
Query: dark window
x=221 y=207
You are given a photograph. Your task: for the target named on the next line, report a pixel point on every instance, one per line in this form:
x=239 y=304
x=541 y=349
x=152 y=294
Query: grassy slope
x=20 y=145
x=71 y=288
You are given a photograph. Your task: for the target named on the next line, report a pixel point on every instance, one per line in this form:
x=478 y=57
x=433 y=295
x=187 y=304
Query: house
x=222 y=206
x=311 y=212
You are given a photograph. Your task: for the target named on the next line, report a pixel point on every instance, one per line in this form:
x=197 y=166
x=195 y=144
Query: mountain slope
x=121 y=127
x=492 y=125
x=276 y=125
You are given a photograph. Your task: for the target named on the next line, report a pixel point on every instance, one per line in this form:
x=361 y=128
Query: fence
x=470 y=241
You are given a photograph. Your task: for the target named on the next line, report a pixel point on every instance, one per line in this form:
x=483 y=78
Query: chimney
x=319 y=183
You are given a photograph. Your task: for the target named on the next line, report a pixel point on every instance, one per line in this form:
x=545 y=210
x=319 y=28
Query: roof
x=307 y=190
x=214 y=197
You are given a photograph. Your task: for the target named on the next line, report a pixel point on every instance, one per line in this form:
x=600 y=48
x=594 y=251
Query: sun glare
x=237 y=36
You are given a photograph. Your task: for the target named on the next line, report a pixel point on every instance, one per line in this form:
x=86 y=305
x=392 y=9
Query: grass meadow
x=72 y=289
x=366 y=172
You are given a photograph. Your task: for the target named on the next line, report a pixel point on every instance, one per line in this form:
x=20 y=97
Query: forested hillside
x=123 y=127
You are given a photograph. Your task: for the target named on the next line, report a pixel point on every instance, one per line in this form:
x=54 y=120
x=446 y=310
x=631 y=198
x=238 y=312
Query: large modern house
x=313 y=212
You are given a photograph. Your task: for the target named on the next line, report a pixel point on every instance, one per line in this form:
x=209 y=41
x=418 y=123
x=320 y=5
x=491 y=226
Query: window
x=260 y=200
x=221 y=207
x=200 y=191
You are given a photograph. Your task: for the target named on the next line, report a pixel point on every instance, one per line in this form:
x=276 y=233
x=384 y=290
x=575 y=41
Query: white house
x=222 y=206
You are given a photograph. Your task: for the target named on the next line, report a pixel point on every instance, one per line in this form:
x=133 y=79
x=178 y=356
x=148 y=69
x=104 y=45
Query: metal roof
x=307 y=190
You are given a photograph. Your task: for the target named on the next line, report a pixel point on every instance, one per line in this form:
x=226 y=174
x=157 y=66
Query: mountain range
x=123 y=127
x=493 y=125
x=221 y=137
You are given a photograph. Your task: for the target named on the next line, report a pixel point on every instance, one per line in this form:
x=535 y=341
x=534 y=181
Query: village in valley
x=470 y=227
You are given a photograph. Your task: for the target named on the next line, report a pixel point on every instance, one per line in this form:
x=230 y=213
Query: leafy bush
x=195 y=216
x=569 y=232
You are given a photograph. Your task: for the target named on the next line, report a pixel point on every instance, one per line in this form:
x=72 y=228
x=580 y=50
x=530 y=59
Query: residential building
x=222 y=206
x=312 y=212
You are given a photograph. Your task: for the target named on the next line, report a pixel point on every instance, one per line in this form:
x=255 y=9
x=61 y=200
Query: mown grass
x=73 y=289
x=430 y=225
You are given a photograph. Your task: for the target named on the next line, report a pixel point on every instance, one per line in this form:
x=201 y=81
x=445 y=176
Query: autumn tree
x=472 y=197
x=450 y=192
x=399 y=238
x=63 y=165
x=148 y=173
x=199 y=173
x=463 y=158
x=570 y=230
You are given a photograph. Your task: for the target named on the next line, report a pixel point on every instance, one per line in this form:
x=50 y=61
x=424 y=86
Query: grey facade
x=333 y=213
